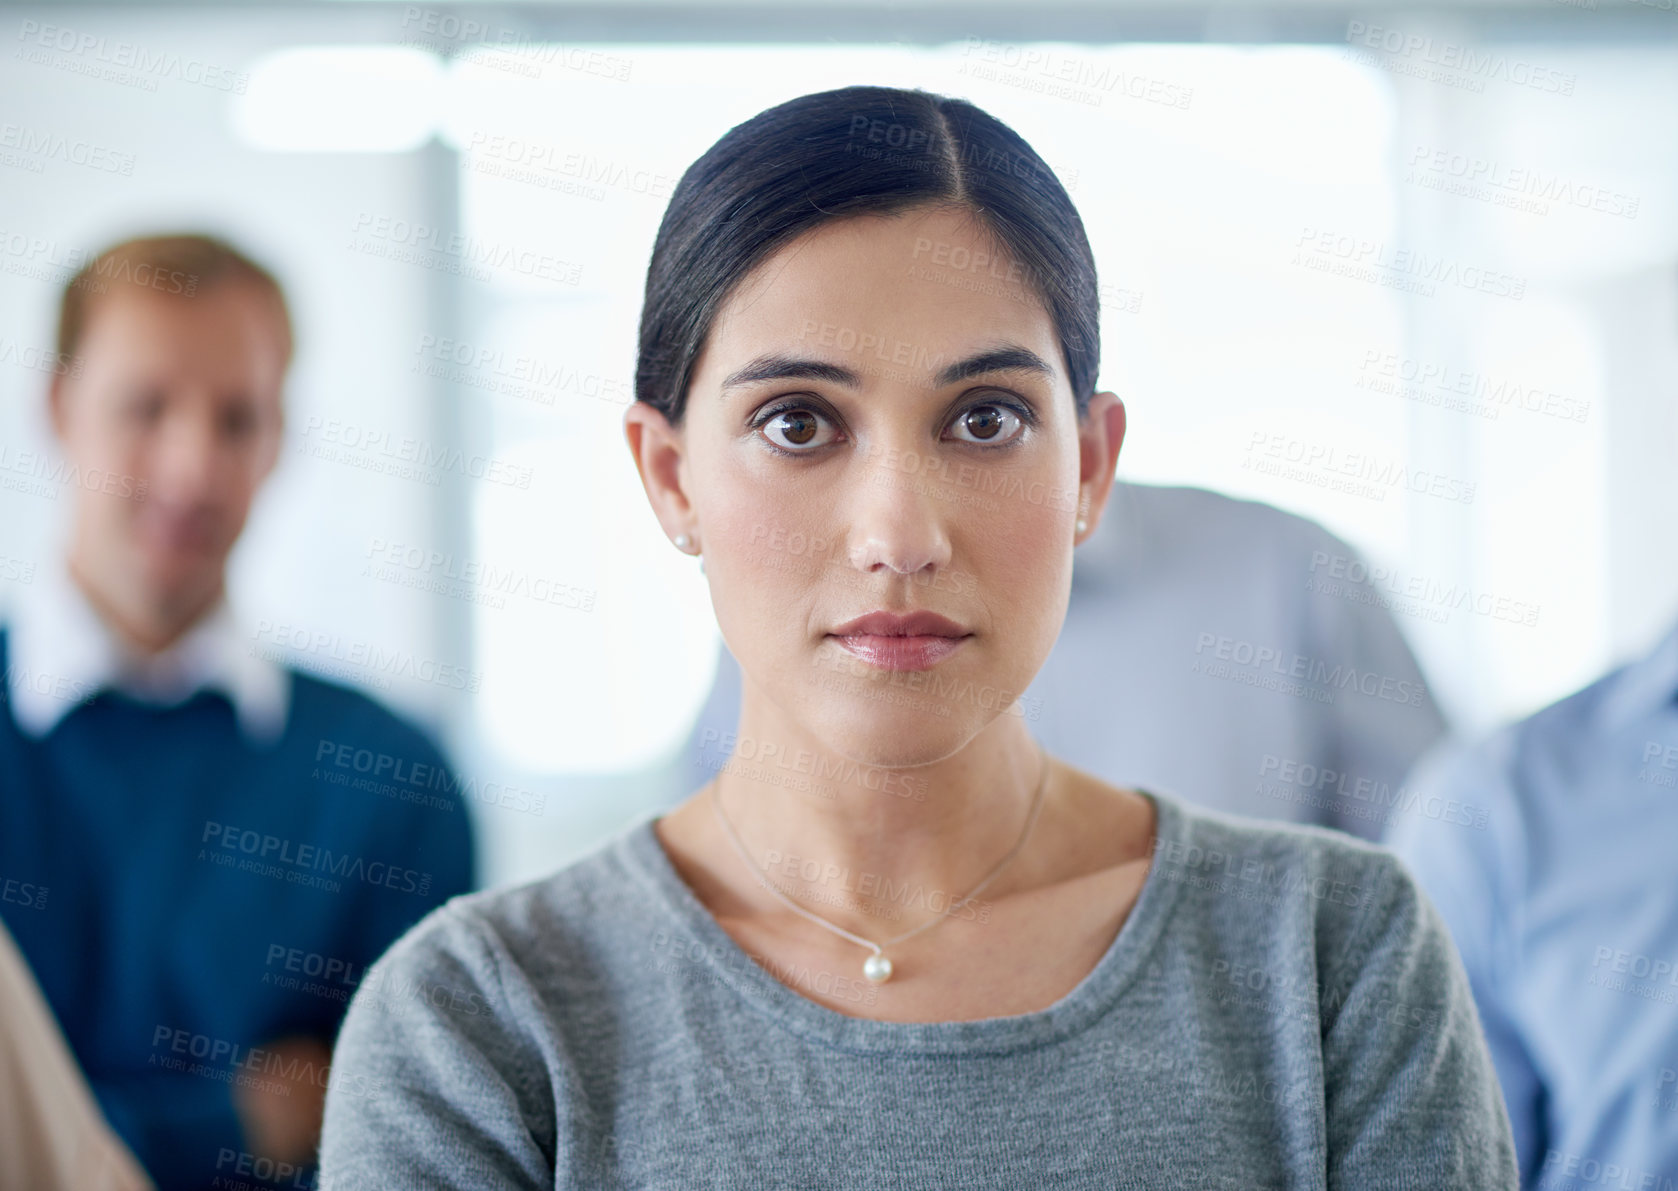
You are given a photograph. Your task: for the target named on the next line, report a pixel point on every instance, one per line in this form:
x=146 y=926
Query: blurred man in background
x=206 y=882
x=1564 y=906
x=1220 y=650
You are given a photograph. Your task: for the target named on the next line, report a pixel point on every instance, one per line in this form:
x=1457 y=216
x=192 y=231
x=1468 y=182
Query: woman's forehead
x=905 y=293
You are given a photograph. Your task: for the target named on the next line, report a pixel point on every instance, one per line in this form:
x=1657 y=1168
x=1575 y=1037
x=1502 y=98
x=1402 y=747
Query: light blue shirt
x=1564 y=907
x=1223 y=651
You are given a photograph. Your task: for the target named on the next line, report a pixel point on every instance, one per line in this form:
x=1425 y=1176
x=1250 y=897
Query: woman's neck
x=812 y=818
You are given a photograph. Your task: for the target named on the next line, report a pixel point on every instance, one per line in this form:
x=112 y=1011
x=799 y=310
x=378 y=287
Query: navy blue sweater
x=185 y=897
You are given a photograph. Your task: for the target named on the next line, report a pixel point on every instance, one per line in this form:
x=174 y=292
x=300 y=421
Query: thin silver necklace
x=878 y=966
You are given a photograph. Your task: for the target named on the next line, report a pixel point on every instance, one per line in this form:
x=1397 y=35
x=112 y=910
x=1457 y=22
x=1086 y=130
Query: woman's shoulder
x=547 y=934
x=488 y=1006
x=1223 y=836
x=1289 y=883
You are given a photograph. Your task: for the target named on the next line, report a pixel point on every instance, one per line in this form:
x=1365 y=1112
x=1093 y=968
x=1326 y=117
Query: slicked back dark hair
x=848 y=152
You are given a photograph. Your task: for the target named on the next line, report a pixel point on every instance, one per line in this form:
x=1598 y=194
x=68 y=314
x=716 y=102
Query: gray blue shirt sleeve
x=1547 y=847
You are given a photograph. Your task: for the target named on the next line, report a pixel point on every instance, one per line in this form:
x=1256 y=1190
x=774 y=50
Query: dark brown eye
x=799 y=427
x=794 y=429
x=985 y=422
x=989 y=424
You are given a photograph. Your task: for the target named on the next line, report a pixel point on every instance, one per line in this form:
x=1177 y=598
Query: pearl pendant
x=877 y=968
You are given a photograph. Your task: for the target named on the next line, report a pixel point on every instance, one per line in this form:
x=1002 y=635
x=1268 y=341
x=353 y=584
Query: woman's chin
x=894 y=737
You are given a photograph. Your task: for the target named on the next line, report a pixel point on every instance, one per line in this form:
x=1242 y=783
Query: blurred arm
x=51 y=1130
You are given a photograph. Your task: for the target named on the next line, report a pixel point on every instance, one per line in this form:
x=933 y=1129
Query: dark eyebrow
x=779 y=367
x=1008 y=358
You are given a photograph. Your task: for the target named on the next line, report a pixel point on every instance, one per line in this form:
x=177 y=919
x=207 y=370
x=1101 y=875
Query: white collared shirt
x=62 y=653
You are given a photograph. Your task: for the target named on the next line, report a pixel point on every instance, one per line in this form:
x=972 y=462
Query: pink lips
x=901 y=641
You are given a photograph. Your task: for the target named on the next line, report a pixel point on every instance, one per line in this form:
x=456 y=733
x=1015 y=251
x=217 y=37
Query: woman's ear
x=1100 y=435
x=660 y=453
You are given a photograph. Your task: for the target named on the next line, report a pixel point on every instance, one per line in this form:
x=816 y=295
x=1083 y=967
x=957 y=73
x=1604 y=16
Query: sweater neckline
x=1117 y=968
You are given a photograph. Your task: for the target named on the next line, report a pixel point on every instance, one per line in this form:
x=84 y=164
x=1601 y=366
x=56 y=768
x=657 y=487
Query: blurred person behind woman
x=164 y=776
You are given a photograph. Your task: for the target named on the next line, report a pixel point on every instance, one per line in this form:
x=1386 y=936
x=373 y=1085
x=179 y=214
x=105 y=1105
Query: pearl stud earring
x=683 y=542
x=1081 y=525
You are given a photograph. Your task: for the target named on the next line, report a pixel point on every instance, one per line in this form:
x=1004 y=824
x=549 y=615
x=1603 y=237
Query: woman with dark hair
x=893 y=943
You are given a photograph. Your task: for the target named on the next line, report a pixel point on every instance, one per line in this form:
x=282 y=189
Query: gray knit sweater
x=1282 y=1008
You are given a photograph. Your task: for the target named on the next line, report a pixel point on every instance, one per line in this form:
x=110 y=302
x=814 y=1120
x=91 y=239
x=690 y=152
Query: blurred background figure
x=219 y=844
x=1408 y=279
x=1561 y=903
x=52 y=1134
x=1405 y=276
x=1209 y=653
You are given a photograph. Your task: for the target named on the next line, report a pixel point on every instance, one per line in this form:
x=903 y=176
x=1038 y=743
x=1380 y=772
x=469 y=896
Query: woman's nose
x=896 y=520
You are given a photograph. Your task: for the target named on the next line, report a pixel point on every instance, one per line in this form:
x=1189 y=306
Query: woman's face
x=881 y=422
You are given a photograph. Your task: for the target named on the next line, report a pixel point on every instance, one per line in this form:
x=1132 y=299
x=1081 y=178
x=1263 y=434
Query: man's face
x=172 y=421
